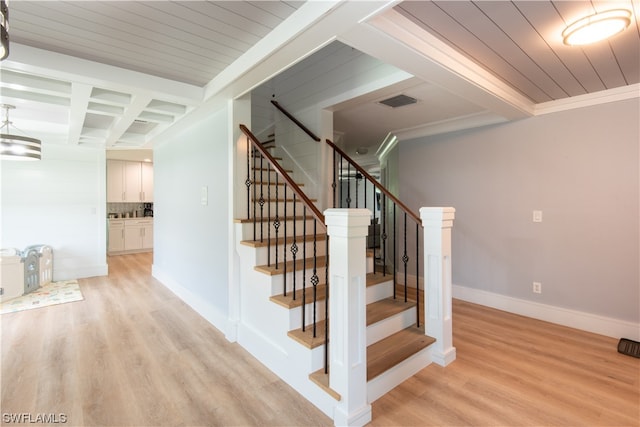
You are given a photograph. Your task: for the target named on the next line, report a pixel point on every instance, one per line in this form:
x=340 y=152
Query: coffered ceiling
x=117 y=74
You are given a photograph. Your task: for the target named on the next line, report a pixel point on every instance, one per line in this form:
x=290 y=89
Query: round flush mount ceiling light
x=594 y=28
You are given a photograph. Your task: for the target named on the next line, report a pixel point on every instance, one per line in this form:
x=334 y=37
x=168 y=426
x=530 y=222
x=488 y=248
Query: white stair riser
x=277 y=280
x=282 y=251
x=295 y=315
x=379 y=291
x=390 y=325
x=264 y=226
x=268 y=190
x=263 y=213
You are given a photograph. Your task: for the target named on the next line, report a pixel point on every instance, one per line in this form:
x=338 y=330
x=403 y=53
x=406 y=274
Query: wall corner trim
x=589 y=322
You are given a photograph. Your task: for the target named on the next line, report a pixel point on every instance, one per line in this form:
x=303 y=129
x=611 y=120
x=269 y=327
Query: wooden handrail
x=375 y=182
x=285 y=176
x=296 y=121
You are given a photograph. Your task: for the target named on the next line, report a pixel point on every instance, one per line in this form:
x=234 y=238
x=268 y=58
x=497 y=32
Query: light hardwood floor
x=133 y=354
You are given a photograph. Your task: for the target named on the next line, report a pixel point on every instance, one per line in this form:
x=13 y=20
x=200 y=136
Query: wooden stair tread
x=289 y=240
x=377 y=278
x=387 y=353
x=265 y=219
x=289 y=171
x=306 y=338
x=298 y=200
x=376 y=311
x=322 y=380
x=288 y=301
x=280 y=183
x=271 y=270
x=380 y=310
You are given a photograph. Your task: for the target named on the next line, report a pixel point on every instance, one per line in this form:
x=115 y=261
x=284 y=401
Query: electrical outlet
x=537 y=287
x=537 y=216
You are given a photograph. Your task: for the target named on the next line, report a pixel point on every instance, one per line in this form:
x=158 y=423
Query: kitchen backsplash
x=133 y=209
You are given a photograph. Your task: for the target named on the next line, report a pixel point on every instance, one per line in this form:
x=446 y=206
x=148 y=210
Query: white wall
x=579 y=167
x=191 y=239
x=58 y=201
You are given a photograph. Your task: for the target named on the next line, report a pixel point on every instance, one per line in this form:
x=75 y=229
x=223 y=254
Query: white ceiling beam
x=131 y=113
x=68 y=68
x=80 y=94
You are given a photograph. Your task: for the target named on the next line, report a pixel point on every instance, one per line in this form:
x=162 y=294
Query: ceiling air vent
x=398 y=101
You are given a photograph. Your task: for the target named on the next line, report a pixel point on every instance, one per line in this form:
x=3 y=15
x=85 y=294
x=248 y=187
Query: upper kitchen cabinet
x=129 y=181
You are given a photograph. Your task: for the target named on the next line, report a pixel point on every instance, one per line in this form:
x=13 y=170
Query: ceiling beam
x=131 y=113
x=80 y=94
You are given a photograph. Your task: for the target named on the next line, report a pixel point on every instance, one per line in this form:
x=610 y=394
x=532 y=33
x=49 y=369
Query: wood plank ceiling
x=520 y=42
x=185 y=41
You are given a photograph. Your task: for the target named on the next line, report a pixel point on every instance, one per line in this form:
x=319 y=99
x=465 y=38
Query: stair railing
x=393 y=214
x=389 y=205
x=259 y=162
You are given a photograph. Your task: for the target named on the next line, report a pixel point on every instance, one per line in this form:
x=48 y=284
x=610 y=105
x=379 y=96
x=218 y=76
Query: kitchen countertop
x=130 y=218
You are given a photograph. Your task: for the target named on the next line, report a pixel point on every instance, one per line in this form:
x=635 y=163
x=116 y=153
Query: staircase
x=283 y=248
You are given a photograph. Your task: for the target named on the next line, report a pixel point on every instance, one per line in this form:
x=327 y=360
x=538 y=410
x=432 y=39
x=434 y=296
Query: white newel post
x=347 y=230
x=437 y=223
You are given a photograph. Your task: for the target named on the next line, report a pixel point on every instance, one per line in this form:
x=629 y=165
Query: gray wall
x=191 y=240
x=579 y=167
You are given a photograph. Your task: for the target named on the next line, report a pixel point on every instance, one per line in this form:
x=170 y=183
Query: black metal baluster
x=262 y=201
x=355 y=180
x=405 y=257
x=304 y=267
x=334 y=184
x=395 y=257
x=348 y=185
x=276 y=223
x=417 y=275
x=269 y=216
x=294 y=247
x=255 y=192
x=314 y=277
x=326 y=309
x=341 y=180
x=247 y=182
x=384 y=234
x=284 y=252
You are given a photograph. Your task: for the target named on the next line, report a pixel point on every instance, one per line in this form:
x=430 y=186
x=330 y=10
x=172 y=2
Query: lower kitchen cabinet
x=116 y=236
x=130 y=235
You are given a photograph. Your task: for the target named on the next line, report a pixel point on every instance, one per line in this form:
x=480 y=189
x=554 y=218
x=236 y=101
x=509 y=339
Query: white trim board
x=596 y=324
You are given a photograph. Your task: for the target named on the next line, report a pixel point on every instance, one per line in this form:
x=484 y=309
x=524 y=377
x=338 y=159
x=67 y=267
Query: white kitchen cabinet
x=138 y=234
x=130 y=235
x=129 y=181
x=116 y=236
x=147 y=181
x=115 y=181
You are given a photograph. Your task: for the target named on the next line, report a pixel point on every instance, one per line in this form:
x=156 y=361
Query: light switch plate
x=204 y=195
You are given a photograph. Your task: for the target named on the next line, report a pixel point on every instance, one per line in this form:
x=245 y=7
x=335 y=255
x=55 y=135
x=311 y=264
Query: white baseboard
x=80 y=273
x=204 y=309
x=608 y=326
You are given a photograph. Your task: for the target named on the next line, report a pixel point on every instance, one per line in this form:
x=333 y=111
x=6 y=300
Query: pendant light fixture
x=17 y=147
x=4 y=36
x=596 y=27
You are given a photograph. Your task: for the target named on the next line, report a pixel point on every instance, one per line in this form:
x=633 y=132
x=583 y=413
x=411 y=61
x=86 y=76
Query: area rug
x=51 y=294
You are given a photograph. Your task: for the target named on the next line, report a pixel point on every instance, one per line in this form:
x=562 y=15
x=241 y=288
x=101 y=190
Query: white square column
x=437 y=223
x=347 y=230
